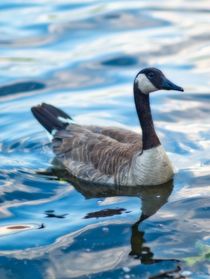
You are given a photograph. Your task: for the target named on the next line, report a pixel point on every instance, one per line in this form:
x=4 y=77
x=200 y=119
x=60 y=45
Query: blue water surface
x=82 y=56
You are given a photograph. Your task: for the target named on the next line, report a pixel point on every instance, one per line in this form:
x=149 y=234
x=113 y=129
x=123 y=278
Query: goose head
x=151 y=79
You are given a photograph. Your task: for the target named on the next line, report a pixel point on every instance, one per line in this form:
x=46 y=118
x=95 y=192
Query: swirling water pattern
x=82 y=56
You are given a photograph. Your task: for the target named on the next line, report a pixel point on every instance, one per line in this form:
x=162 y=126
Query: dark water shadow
x=152 y=199
x=21 y=87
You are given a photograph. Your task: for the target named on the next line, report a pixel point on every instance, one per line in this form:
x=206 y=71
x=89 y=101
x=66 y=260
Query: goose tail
x=51 y=118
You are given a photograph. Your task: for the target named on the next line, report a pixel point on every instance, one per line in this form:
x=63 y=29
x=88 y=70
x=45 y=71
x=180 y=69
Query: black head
x=151 y=79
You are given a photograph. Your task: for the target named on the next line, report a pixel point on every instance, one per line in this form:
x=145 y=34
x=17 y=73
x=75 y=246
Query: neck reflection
x=152 y=199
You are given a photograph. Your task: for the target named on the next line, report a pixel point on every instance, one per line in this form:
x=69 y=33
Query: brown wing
x=119 y=134
x=91 y=151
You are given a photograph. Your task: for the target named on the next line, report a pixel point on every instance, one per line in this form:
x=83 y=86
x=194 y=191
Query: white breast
x=152 y=167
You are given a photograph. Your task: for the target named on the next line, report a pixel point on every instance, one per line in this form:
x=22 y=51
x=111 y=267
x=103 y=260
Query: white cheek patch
x=144 y=84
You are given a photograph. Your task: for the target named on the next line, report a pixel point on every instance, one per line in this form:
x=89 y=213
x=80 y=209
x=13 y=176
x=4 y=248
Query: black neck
x=149 y=136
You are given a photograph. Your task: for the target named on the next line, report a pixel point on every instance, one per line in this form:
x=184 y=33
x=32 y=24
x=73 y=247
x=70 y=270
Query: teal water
x=82 y=56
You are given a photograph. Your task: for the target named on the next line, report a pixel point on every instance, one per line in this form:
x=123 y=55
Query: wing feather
x=95 y=151
x=119 y=134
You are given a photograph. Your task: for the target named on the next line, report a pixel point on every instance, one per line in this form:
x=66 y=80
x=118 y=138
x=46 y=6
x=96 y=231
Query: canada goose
x=111 y=155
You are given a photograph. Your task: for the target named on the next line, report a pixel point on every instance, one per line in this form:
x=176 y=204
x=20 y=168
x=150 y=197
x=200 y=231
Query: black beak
x=168 y=85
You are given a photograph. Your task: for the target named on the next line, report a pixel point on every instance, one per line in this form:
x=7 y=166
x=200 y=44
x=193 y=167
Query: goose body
x=111 y=155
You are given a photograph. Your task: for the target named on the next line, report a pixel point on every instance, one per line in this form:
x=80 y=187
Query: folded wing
x=95 y=153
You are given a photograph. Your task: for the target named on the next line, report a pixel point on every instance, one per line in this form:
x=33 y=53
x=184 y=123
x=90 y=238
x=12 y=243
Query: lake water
x=82 y=56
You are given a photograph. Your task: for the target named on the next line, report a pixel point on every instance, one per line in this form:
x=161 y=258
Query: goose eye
x=150 y=75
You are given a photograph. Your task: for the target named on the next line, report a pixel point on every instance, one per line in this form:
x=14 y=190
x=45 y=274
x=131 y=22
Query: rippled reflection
x=152 y=199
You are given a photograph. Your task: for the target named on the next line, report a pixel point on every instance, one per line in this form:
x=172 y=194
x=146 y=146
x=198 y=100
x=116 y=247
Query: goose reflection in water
x=152 y=199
